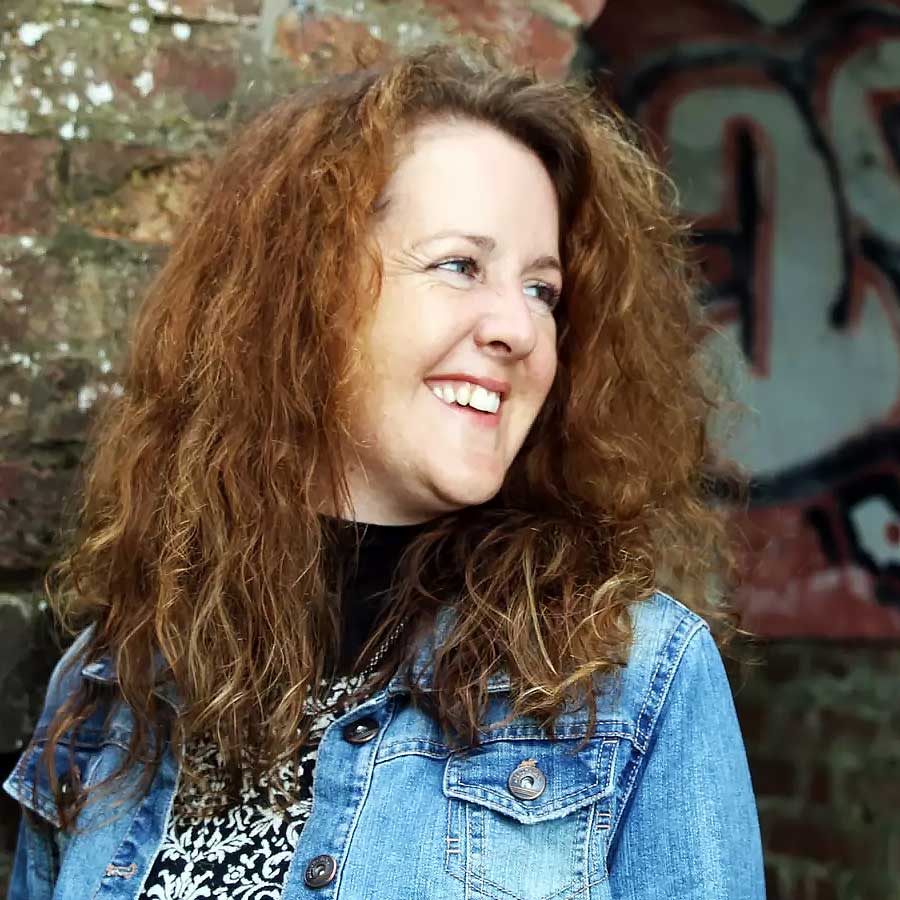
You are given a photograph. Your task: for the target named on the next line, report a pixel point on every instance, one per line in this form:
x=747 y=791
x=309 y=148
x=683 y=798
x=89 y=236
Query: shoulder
x=66 y=678
x=671 y=645
x=29 y=782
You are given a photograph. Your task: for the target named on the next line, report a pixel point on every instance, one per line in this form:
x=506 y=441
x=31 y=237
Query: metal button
x=361 y=730
x=527 y=781
x=69 y=784
x=66 y=787
x=320 y=871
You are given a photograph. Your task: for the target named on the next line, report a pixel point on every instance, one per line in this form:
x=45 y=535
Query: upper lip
x=490 y=384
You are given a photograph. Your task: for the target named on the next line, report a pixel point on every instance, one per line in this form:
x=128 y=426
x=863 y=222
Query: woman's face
x=461 y=347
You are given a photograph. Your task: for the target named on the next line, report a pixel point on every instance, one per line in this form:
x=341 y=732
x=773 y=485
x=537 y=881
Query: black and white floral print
x=242 y=851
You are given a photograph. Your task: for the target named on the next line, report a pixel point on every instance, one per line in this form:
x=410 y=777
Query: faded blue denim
x=657 y=806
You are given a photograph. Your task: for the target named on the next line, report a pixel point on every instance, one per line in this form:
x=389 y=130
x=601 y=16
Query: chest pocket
x=526 y=817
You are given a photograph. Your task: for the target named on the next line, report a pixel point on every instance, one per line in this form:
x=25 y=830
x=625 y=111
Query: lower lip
x=475 y=416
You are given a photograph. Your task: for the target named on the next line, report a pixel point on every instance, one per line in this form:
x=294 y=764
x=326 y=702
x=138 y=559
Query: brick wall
x=822 y=726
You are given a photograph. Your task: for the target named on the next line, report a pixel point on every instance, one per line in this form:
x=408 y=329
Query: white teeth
x=467 y=394
x=486 y=401
x=482 y=400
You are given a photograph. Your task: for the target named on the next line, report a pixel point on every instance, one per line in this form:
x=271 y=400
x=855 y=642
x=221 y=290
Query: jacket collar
x=103 y=669
x=423 y=669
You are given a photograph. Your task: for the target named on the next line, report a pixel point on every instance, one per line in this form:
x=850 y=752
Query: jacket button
x=320 y=871
x=361 y=730
x=527 y=781
x=66 y=787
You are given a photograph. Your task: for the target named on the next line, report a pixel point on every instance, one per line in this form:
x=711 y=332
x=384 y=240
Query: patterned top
x=243 y=852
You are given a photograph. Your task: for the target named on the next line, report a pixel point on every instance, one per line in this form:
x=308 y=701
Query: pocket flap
x=567 y=780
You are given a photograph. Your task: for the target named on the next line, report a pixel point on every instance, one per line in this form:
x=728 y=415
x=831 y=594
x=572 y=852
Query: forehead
x=466 y=174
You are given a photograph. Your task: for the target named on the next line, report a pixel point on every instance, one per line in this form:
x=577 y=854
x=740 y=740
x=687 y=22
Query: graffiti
x=780 y=124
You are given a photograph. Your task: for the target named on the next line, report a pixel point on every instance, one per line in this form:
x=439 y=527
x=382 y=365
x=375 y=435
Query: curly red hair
x=198 y=536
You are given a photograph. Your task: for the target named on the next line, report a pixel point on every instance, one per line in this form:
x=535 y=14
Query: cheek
x=387 y=348
x=413 y=328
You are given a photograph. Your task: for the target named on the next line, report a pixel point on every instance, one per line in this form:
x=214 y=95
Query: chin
x=472 y=495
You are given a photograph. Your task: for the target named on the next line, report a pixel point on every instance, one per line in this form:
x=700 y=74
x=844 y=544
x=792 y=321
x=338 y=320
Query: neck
x=376 y=516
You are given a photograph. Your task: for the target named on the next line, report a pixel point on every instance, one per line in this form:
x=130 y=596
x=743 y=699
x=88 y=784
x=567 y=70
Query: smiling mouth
x=468 y=396
x=479 y=419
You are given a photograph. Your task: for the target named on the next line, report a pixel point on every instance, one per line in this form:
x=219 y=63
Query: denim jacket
x=658 y=805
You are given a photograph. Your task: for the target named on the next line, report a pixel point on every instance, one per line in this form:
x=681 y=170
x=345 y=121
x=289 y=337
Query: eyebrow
x=488 y=244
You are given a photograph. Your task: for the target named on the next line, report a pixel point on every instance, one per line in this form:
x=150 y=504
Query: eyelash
x=554 y=293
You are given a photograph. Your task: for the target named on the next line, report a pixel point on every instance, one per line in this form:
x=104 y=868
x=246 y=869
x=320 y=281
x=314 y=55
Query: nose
x=507 y=328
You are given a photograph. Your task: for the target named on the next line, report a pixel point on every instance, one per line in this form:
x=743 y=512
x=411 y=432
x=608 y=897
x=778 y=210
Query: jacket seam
x=639 y=753
x=151 y=858
x=673 y=662
x=357 y=814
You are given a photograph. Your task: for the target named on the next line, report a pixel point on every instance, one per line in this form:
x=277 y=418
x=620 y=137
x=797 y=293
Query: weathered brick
x=28 y=184
x=31 y=500
x=794 y=728
x=819 y=788
x=27 y=656
x=547 y=47
x=826 y=709
x=62 y=399
x=93 y=76
x=149 y=202
x=878 y=787
x=782 y=664
x=57 y=364
x=205 y=78
x=102 y=167
x=225 y=11
x=752 y=718
x=774 y=777
x=77 y=291
x=806 y=838
x=326 y=43
x=837 y=723
x=527 y=37
x=218 y=11
x=773 y=883
x=822 y=889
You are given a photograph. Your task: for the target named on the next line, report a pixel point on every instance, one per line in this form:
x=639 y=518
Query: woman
x=413 y=427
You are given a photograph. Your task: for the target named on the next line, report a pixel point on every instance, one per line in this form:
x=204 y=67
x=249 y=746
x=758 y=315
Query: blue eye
x=468 y=266
x=548 y=293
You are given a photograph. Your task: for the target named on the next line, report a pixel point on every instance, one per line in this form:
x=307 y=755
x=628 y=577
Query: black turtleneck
x=368 y=554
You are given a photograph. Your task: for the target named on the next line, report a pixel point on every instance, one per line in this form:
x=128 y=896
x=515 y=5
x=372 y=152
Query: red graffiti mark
x=815 y=119
x=658 y=33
